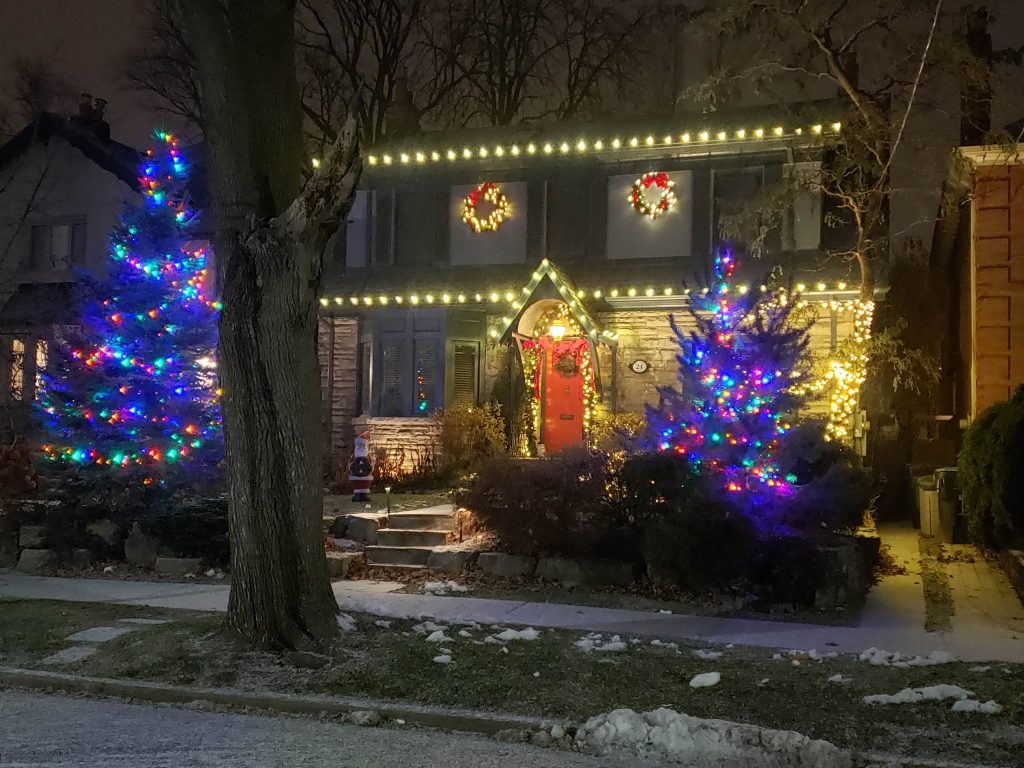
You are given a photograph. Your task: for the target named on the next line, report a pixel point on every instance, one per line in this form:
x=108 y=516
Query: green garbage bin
x=951 y=520
x=928 y=505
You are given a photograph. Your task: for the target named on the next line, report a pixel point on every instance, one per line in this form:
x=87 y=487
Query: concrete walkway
x=892 y=619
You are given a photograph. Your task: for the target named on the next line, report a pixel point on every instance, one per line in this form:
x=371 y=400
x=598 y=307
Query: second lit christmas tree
x=133 y=389
x=738 y=371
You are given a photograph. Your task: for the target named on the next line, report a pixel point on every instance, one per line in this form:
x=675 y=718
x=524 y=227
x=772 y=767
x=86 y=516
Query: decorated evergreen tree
x=739 y=373
x=133 y=388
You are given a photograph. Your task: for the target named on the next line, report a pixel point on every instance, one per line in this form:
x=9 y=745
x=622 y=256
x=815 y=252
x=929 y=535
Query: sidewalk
x=884 y=624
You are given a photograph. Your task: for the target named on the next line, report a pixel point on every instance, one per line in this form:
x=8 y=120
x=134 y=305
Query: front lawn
x=551 y=676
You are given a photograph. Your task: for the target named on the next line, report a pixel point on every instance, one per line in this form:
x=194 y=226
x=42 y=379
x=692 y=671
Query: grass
x=551 y=677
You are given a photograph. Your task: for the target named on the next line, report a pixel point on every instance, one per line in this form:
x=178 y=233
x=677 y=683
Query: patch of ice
x=443 y=587
x=665 y=611
x=707 y=654
x=981 y=707
x=914 y=695
x=519 y=634
x=444 y=658
x=666 y=735
x=438 y=636
x=706 y=680
x=346 y=623
x=879 y=658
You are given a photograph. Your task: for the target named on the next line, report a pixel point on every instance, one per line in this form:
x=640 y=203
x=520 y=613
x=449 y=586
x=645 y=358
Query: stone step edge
x=413 y=530
x=449 y=719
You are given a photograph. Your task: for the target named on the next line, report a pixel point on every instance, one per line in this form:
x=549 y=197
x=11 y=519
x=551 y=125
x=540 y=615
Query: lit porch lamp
x=557 y=331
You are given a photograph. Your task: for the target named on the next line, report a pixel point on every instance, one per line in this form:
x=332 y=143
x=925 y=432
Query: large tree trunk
x=270 y=228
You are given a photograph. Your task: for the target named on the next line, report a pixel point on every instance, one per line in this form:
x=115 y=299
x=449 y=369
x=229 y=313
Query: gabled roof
x=112 y=156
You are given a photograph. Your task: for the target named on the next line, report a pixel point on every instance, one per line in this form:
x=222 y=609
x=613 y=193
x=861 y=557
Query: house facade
x=538 y=269
x=63 y=182
x=979 y=255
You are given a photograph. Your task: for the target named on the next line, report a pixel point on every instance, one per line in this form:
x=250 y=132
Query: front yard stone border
x=500 y=564
x=1013 y=563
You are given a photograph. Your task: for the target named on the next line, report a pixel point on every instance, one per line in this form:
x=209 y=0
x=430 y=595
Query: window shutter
x=425 y=377
x=40 y=256
x=365 y=361
x=464 y=374
x=17 y=368
x=60 y=246
x=391 y=367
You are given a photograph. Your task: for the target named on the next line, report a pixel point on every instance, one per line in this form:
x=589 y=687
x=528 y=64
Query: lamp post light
x=387 y=496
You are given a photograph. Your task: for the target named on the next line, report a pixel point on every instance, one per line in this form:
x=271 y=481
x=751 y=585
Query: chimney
x=85 y=108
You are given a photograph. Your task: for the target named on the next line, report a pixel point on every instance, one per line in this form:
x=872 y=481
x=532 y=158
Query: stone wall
x=338 y=346
x=416 y=440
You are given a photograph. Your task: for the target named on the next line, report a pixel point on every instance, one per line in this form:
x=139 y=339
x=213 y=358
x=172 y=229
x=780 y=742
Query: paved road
x=40 y=731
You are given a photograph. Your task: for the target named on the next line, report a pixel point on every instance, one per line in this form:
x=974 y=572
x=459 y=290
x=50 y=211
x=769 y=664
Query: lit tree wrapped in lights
x=739 y=373
x=134 y=388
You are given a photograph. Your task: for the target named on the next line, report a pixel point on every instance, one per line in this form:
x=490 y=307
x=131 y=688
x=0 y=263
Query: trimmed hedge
x=991 y=476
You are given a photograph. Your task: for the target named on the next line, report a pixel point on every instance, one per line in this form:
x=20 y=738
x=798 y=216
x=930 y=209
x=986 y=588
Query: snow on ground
x=879 y=658
x=438 y=636
x=666 y=734
x=518 y=634
x=985 y=708
x=444 y=658
x=426 y=628
x=384 y=623
x=707 y=655
x=669 y=646
x=443 y=587
x=706 y=680
x=838 y=678
x=914 y=695
x=346 y=623
x=595 y=642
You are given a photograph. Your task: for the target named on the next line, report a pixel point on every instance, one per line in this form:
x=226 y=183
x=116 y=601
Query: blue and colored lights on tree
x=737 y=371
x=135 y=385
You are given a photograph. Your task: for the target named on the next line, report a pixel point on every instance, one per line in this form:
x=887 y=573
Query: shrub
x=991 y=463
x=470 y=434
x=617 y=431
x=703 y=545
x=787 y=570
x=551 y=506
x=645 y=486
x=805 y=453
x=193 y=528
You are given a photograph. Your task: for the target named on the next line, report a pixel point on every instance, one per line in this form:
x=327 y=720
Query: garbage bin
x=928 y=505
x=951 y=518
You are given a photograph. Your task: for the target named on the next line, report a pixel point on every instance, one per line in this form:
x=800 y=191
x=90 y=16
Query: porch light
x=316 y=162
x=557 y=331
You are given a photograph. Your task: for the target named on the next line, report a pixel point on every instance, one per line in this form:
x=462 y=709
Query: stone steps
x=400 y=537
x=401 y=557
x=422 y=520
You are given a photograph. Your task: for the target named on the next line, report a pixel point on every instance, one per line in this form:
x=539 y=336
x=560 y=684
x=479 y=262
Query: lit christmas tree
x=738 y=371
x=133 y=389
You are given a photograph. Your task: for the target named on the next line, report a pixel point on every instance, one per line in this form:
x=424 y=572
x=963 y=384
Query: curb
x=159 y=693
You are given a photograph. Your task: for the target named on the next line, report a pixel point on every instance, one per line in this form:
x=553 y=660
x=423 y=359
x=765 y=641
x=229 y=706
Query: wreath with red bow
x=491 y=193
x=643 y=204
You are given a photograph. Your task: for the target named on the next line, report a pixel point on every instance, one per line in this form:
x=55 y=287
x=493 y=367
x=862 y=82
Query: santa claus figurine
x=360 y=469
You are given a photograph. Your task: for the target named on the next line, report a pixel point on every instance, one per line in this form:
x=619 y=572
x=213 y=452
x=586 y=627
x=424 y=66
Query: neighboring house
x=63 y=182
x=420 y=310
x=978 y=255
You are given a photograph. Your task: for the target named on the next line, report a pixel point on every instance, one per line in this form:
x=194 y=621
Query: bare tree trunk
x=270 y=228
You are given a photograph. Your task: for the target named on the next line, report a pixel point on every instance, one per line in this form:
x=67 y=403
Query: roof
x=733 y=131
x=112 y=156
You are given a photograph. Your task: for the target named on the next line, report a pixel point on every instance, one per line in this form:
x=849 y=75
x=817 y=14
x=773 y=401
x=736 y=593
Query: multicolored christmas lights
x=738 y=372
x=135 y=387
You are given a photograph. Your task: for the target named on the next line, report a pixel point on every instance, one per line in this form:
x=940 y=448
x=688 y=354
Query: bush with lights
x=131 y=393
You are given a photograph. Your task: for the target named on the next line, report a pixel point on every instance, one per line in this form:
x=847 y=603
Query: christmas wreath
x=491 y=193
x=566 y=364
x=638 y=194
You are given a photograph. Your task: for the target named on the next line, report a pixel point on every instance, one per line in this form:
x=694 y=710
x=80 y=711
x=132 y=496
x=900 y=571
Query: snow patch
x=706 y=654
x=981 y=668
x=465 y=633
x=670 y=646
x=438 y=636
x=383 y=623
x=519 y=634
x=668 y=735
x=879 y=658
x=444 y=658
x=346 y=623
x=838 y=678
x=914 y=695
x=595 y=642
x=426 y=627
x=985 y=708
x=706 y=680
x=443 y=587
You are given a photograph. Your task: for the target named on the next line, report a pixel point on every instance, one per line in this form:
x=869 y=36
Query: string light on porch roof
x=585 y=145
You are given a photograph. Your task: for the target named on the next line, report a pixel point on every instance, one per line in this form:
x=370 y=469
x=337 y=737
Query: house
x=978 y=255
x=63 y=182
x=537 y=267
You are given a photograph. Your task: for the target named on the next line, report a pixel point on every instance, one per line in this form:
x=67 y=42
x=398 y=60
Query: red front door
x=562 y=398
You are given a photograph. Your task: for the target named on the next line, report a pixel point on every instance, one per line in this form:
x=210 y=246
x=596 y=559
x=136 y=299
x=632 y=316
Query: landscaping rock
x=561 y=570
x=177 y=566
x=845 y=577
x=363 y=529
x=339 y=528
x=99 y=634
x=450 y=561
x=40 y=562
x=500 y=564
x=32 y=537
x=366 y=718
x=8 y=552
x=339 y=563
x=142 y=550
x=82 y=557
x=105 y=530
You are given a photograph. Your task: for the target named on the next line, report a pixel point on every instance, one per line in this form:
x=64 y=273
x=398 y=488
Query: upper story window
x=504 y=245
x=736 y=208
x=57 y=245
x=632 y=235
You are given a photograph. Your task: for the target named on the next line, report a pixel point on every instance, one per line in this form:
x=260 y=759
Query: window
x=736 y=216
x=632 y=236
x=801 y=228
x=42 y=355
x=465 y=374
x=17 y=371
x=505 y=245
x=58 y=245
x=392 y=368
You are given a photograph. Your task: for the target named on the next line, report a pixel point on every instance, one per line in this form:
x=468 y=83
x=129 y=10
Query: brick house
x=979 y=255
x=421 y=310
